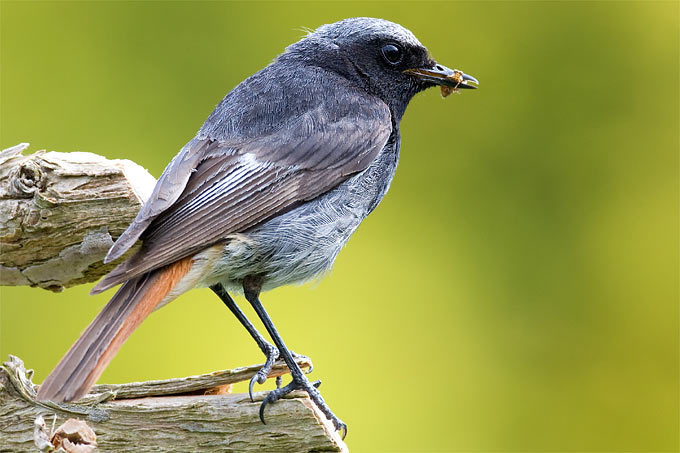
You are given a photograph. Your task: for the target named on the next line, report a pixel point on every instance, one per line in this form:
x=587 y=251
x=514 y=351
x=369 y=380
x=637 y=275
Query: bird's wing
x=239 y=184
x=167 y=190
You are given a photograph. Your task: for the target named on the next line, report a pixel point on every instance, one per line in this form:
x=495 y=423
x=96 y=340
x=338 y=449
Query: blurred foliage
x=517 y=290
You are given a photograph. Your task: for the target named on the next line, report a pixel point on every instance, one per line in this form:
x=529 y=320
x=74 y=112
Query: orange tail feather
x=82 y=365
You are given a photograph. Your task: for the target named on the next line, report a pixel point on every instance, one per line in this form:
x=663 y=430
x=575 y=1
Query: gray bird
x=281 y=174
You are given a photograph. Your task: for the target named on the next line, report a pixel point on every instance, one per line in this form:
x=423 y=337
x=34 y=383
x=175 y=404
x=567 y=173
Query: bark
x=60 y=213
x=187 y=414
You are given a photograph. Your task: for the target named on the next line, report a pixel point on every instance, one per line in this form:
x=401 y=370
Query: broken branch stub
x=61 y=212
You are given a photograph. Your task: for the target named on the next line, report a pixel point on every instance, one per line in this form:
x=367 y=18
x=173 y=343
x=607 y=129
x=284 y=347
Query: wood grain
x=61 y=212
x=174 y=422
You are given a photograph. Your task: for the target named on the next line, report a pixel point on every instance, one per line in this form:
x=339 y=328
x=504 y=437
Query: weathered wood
x=175 y=422
x=73 y=436
x=60 y=212
x=192 y=384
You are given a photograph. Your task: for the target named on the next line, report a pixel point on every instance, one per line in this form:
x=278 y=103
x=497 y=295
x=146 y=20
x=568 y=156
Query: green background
x=517 y=290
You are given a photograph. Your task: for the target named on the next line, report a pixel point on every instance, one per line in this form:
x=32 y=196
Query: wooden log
x=126 y=418
x=61 y=212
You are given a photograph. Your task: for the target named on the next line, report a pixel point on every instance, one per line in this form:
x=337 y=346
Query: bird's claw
x=341 y=427
x=280 y=392
x=261 y=376
x=274 y=396
x=311 y=389
x=272 y=355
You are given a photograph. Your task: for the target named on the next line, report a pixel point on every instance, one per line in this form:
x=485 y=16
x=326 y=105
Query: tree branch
x=60 y=212
x=172 y=415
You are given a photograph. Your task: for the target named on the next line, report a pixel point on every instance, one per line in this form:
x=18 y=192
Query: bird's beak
x=441 y=75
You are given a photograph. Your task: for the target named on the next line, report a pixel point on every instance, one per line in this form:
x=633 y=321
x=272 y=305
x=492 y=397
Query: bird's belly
x=295 y=247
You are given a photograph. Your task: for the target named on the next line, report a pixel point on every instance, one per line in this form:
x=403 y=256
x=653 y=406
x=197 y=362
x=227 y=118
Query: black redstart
x=281 y=174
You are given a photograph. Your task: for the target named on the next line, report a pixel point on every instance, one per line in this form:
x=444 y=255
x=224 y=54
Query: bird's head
x=381 y=56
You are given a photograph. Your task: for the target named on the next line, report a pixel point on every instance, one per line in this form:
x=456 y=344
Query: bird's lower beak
x=441 y=75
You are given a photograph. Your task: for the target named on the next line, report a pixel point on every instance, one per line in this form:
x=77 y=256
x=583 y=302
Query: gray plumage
x=295 y=130
x=302 y=244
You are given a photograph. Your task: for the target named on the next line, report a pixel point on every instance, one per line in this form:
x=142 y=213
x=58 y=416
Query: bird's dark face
x=385 y=58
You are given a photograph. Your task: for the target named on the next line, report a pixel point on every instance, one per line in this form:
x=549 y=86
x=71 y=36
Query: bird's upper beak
x=441 y=75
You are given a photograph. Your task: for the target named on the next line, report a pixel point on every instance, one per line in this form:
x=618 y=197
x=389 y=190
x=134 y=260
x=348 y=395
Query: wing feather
x=168 y=188
x=231 y=186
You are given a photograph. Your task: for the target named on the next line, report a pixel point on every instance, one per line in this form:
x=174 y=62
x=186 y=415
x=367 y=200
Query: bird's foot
x=311 y=388
x=272 y=354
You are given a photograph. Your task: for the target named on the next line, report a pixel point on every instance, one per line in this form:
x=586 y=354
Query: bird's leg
x=251 y=288
x=270 y=351
x=264 y=345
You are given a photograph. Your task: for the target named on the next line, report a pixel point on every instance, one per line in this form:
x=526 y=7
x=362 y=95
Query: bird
x=267 y=193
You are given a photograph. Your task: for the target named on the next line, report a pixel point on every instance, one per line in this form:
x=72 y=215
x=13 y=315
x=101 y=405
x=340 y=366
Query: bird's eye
x=391 y=53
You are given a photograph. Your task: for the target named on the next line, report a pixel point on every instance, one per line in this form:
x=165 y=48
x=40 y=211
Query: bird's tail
x=82 y=365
